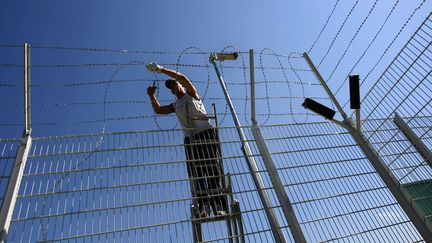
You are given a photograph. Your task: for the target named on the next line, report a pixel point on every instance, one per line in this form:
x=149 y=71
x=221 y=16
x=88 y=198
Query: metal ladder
x=234 y=222
x=233 y=218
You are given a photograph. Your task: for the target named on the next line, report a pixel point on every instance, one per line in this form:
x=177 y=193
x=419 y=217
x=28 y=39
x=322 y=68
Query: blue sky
x=162 y=25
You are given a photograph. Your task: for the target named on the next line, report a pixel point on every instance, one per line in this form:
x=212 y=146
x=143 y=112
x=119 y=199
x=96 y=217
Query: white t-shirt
x=197 y=115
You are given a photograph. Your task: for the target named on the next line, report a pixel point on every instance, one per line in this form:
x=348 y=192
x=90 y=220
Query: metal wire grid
x=404 y=88
x=8 y=151
x=336 y=193
x=133 y=188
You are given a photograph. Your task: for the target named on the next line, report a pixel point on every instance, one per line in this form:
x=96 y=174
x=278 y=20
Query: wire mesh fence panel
x=128 y=187
x=8 y=151
x=404 y=88
x=135 y=186
x=336 y=193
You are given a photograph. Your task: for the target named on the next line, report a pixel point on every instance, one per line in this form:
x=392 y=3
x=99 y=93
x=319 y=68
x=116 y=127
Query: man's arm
x=158 y=109
x=184 y=81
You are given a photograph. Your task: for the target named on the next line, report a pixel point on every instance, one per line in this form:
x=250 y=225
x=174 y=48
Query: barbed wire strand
x=338 y=33
x=266 y=87
x=98 y=144
x=299 y=80
x=352 y=39
x=324 y=26
x=394 y=39
x=370 y=43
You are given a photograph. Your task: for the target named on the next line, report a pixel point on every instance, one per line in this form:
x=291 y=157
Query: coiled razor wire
x=286 y=81
x=292 y=55
x=243 y=67
x=98 y=144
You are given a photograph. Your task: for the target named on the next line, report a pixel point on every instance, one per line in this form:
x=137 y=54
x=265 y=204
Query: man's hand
x=151 y=90
x=154 y=67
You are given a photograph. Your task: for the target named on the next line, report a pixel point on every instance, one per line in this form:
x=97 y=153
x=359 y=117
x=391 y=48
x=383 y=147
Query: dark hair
x=169 y=83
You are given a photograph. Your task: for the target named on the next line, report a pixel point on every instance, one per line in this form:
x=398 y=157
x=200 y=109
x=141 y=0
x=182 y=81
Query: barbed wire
x=123 y=118
x=370 y=43
x=98 y=144
x=266 y=87
x=151 y=117
x=353 y=38
x=122 y=51
x=394 y=39
x=286 y=79
x=299 y=80
x=121 y=64
x=11 y=65
x=324 y=26
x=115 y=102
x=389 y=46
x=338 y=32
x=59 y=83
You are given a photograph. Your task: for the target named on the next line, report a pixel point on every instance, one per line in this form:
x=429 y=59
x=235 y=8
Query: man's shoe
x=221 y=213
x=203 y=214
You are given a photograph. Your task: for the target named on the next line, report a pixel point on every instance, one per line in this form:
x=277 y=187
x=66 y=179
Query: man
x=201 y=139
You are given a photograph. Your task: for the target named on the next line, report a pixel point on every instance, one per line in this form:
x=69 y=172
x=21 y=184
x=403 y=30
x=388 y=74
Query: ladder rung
x=204 y=141
x=212 y=191
x=204 y=166
x=212 y=218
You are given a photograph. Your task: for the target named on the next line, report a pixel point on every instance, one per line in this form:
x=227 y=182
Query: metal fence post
x=271 y=168
x=414 y=139
x=21 y=157
x=404 y=200
x=259 y=183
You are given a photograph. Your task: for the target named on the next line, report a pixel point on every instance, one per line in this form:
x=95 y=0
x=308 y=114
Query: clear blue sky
x=164 y=25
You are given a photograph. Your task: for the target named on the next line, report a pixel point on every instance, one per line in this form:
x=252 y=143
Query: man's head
x=175 y=87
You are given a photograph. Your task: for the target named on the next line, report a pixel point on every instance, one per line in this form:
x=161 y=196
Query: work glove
x=154 y=67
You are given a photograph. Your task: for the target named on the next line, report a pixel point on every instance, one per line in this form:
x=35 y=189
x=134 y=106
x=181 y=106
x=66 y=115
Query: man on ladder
x=201 y=141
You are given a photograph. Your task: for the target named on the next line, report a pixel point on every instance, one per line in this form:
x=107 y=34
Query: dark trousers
x=205 y=170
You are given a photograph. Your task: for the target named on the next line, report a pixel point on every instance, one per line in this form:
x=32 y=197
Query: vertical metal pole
x=265 y=199
x=404 y=200
x=20 y=159
x=27 y=125
x=358 y=120
x=216 y=124
x=271 y=168
x=252 y=85
x=414 y=139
